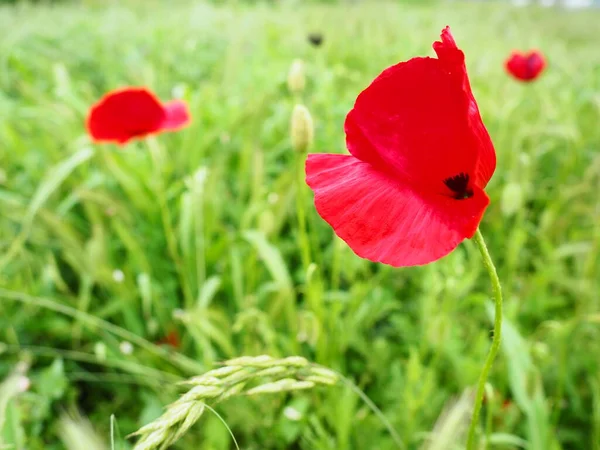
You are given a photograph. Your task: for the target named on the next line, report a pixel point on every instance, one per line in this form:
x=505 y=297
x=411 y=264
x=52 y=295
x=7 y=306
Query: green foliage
x=35 y=2
x=103 y=252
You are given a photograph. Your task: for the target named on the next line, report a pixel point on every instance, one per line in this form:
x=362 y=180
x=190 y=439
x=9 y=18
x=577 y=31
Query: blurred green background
x=94 y=275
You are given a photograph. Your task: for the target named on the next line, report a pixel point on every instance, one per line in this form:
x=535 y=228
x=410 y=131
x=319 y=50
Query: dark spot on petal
x=459 y=185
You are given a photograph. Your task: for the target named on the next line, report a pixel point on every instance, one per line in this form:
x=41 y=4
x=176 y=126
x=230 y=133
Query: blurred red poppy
x=172 y=339
x=131 y=113
x=525 y=66
x=412 y=187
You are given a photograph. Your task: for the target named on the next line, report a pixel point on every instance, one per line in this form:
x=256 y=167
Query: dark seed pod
x=316 y=39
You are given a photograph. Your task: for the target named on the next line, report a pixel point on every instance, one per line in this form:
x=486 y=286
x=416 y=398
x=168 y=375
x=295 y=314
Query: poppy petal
x=448 y=52
x=385 y=219
x=407 y=121
x=419 y=120
x=177 y=115
x=515 y=66
x=454 y=59
x=125 y=114
x=536 y=63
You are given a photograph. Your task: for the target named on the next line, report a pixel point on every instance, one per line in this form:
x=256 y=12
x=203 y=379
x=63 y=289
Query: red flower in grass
x=172 y=339
x=412 y=187
x=525 y=66
x=134 y=113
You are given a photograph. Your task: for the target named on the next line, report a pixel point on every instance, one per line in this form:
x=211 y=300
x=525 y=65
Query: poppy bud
x=316 y=39
x=302 y=128
x=296 y=77
x=512 y=199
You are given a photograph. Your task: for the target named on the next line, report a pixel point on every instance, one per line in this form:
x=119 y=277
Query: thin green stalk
x=336 y=263
x=166 y=218
x=373 y=407
x=561 y=353
x=302 y=228
x=112 y=431
x=220 y=417
x=83 y=304
x=199 y=233
x=490 y=410
x=179 y=360
x=129 y=366
x=491 y=269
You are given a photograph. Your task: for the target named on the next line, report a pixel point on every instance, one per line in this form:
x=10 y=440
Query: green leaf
x=272 y=258
x=52 y=382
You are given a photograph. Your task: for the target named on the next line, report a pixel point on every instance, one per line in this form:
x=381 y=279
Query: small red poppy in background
x=172 y=339
x=525 y=66
x=133 y=113
x=412 y=187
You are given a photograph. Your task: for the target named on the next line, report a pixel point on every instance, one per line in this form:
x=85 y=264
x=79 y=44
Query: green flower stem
x=165 y=213
x=300 y=212
x=491 y=269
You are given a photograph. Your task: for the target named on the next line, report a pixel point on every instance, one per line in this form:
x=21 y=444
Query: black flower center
x=459 y=185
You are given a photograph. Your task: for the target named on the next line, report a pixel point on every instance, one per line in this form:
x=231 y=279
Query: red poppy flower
x=132 y=113
x=525 y=66
x=412 y=187
x=172 y=339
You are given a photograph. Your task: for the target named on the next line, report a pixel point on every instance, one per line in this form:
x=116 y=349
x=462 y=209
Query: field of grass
x=97 y=269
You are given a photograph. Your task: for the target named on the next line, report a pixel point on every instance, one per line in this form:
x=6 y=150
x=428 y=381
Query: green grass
x=229 y=275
